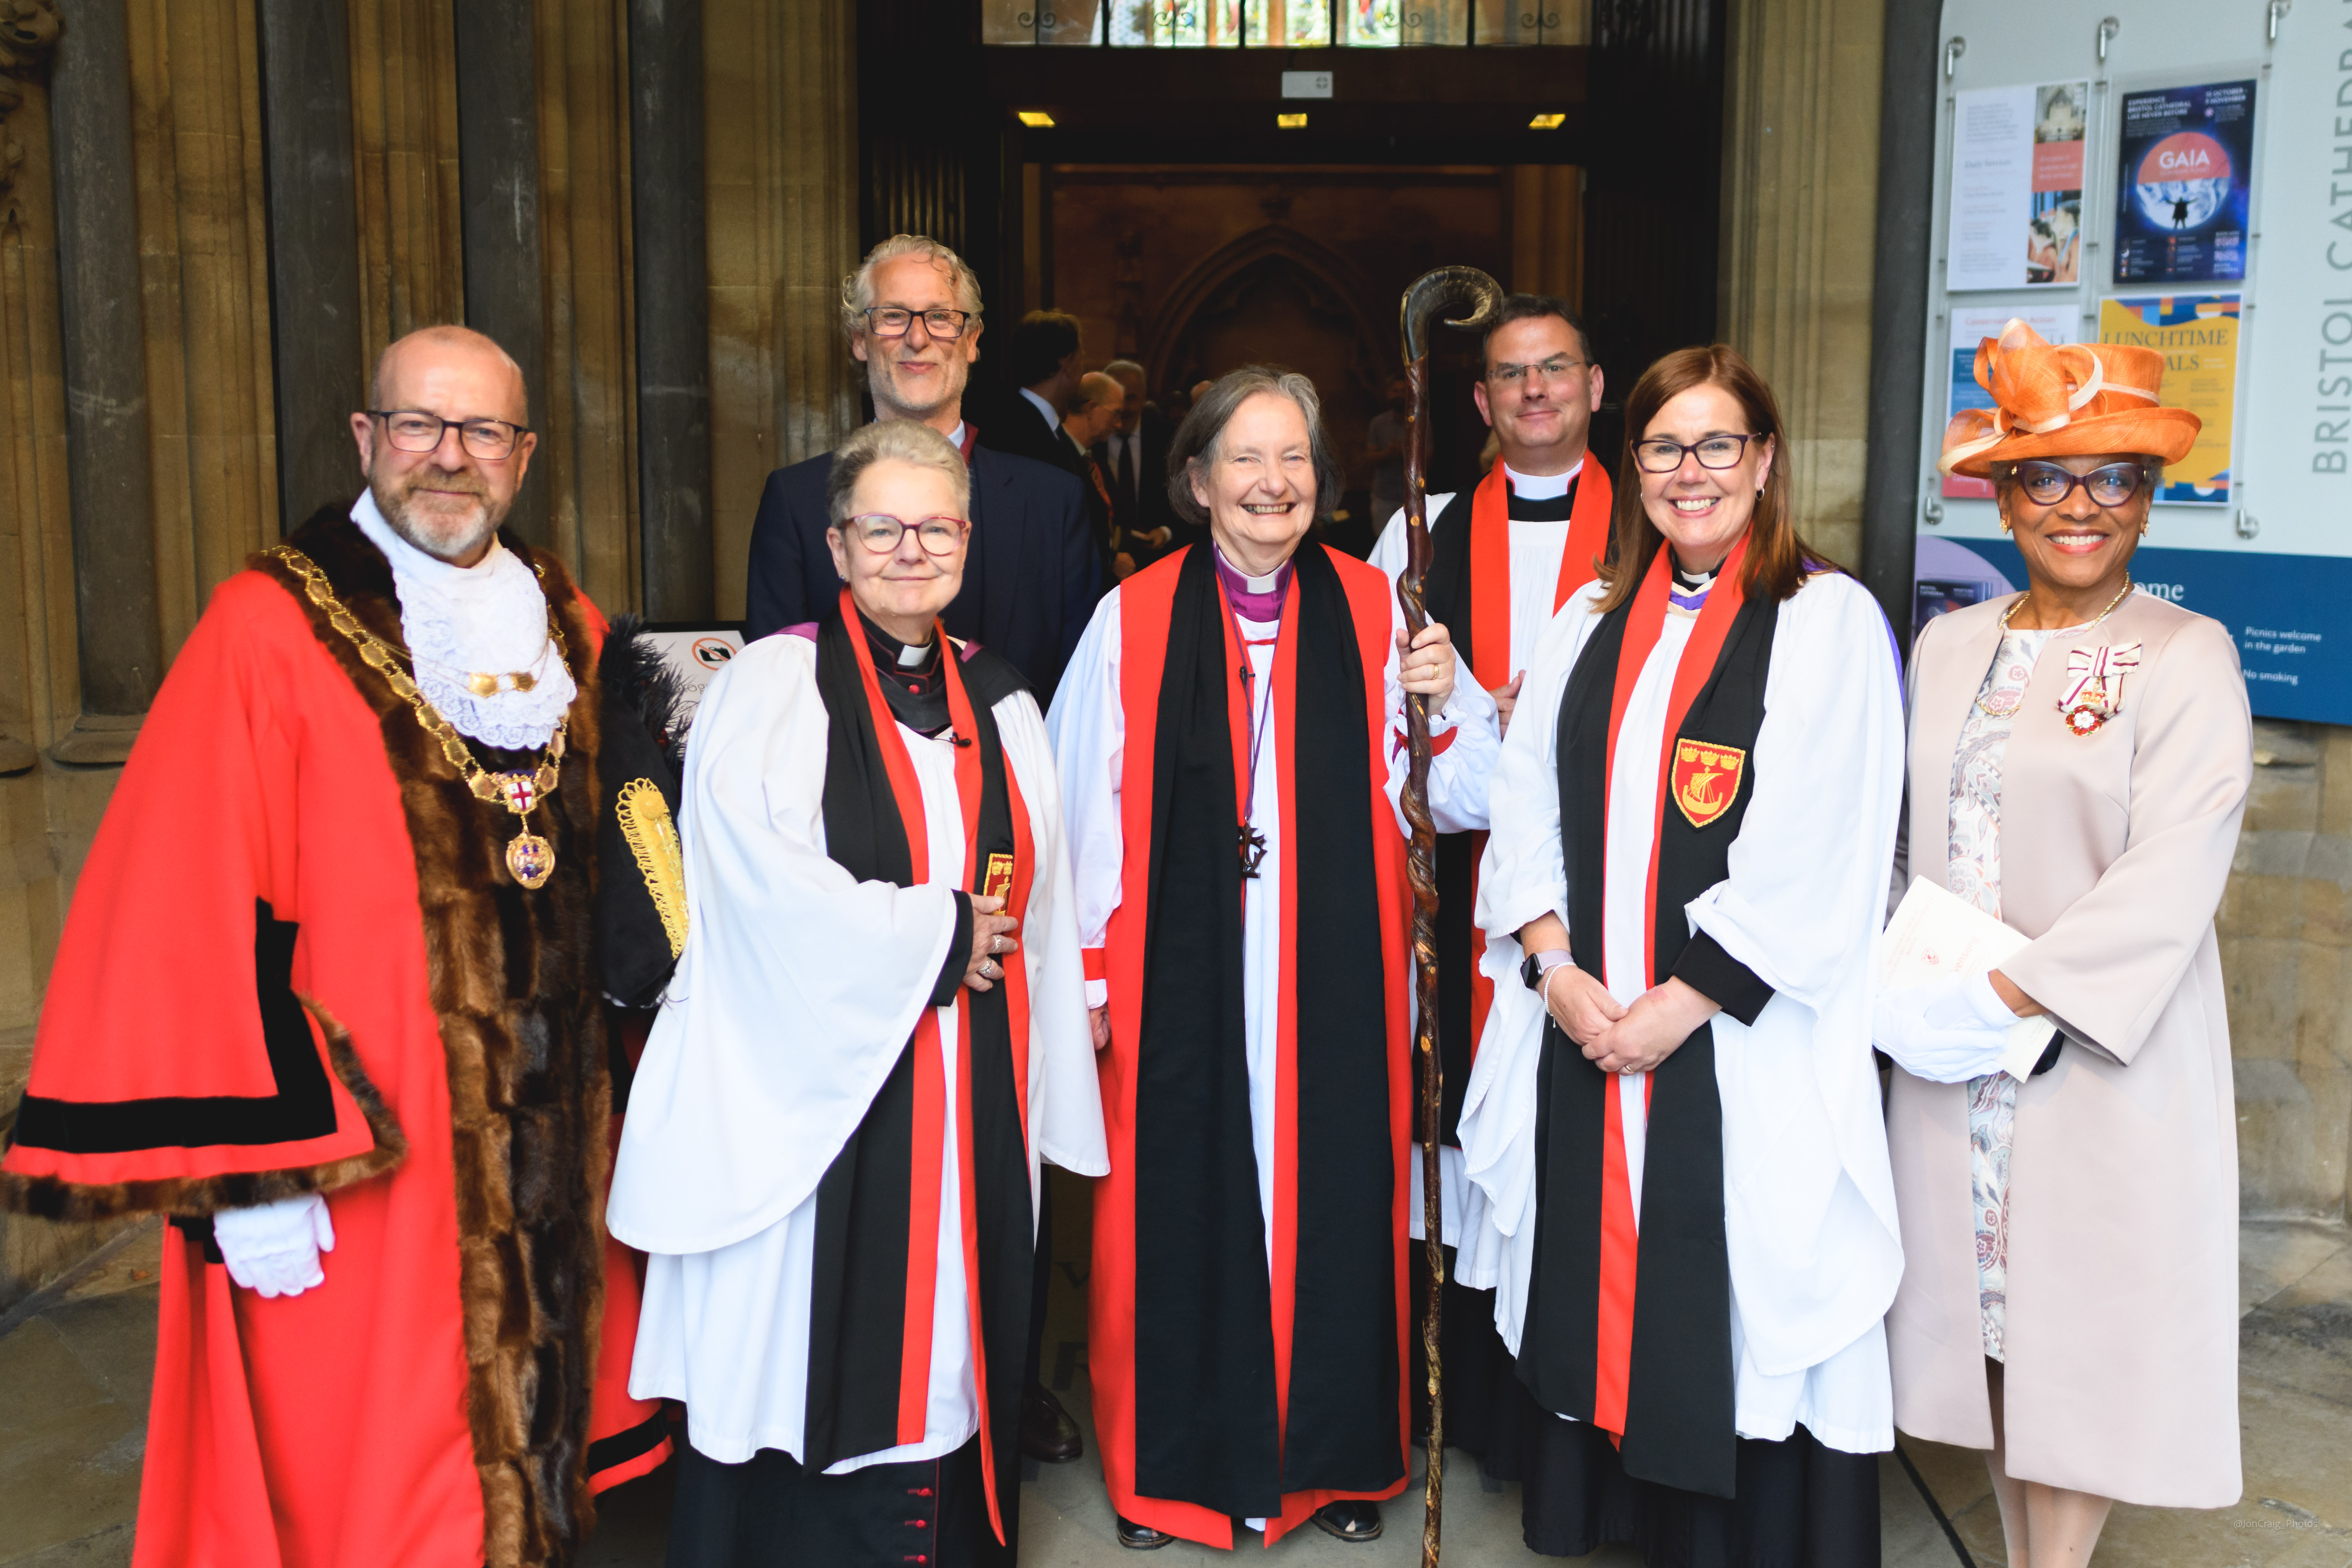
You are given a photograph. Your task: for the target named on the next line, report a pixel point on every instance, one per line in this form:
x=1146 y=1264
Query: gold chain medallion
x=530 y=859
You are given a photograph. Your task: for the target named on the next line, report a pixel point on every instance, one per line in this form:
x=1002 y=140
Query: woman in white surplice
x=876 y=1030
x=1673 y=1114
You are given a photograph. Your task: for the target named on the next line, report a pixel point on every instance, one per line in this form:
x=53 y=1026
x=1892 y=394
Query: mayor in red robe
x=306 y=957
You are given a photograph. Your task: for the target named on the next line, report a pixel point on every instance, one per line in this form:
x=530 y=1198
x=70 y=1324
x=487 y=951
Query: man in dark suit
x=1044 y=368
x=1134 y=459
x=1033 y=572
x=1083 y=427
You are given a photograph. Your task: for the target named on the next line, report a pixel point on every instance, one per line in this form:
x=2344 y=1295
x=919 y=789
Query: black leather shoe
x=1047 y=1433
x=1140 y=1537
x=1351 y=1519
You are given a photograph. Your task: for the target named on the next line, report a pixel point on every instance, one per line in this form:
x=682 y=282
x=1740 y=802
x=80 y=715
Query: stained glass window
x=1282 y=24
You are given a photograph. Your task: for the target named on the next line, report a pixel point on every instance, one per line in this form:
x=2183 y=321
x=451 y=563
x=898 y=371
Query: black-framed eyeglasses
x=892 y=321
x=2049 y=484
x=1656 y=454
x=880 y=533
x=1553 y=369
x=415 y=430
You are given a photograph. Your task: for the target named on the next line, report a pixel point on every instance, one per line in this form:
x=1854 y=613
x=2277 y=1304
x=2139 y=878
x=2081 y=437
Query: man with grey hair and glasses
x=912 y=315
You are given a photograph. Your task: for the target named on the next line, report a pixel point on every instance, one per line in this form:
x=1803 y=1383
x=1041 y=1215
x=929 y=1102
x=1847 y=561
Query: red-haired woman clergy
x=1229 y=740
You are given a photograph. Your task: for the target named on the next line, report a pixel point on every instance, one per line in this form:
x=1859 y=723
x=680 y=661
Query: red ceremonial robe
x=1218 y=1393
x=296 y=962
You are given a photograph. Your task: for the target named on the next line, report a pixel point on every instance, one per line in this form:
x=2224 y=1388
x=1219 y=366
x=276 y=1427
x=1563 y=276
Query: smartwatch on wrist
x=1537 y=965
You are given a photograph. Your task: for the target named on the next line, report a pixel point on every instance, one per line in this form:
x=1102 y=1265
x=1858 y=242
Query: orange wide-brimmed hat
x=2064 y=400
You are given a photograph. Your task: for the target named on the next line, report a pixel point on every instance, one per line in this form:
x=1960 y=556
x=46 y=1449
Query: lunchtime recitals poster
x=2017 y=187
x=2198 y=336
x=2185 y=168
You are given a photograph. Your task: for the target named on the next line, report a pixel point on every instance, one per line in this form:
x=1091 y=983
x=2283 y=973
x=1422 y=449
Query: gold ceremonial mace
x=1431 y=295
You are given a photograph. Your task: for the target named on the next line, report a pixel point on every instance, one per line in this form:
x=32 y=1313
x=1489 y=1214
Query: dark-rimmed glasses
x=892 y=321
x=1656 y=454
x=2049 y=484
x=1553 y=369
x=415 y=430
x=880 y=533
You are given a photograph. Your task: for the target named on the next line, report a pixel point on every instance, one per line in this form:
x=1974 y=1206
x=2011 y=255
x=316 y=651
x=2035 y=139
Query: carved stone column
x=781 y=116
x=120 y=640
x=498 y=137
x=673 y=302
x=1800 y=184
x=314 y=271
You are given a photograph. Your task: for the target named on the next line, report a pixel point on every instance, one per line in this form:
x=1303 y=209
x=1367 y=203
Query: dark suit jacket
x=1101 y=517
x=1017 y=427
x=1148 y=510
x=1030 y=580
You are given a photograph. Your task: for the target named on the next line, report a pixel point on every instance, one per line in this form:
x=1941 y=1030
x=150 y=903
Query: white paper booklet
x=1936 y=934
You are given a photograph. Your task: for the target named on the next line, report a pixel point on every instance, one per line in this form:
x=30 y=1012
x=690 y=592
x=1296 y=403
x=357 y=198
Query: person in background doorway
x=1134 y=458
x=2080 y=758
x=1083 y=428
x=911 y=312
x=1384 y=449
x=1248 y=1318
x=1044 y=366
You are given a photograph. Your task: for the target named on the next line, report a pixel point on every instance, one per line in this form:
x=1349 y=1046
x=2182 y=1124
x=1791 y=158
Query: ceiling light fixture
x=1036 y=118
x=1291 y=122
x=1548 y=123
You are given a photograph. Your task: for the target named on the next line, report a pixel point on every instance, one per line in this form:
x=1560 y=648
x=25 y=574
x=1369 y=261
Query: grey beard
x=395 y=513
x=878 y=385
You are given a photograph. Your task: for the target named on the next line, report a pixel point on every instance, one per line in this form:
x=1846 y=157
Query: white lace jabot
x=487 y=619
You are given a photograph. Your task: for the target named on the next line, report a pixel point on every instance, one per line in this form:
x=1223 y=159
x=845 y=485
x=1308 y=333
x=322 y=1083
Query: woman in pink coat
x=2080 y=756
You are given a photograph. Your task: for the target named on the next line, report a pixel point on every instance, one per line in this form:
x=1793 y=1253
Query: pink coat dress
x=2122 y=1333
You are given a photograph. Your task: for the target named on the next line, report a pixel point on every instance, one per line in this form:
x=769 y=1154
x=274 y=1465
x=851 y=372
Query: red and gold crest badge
x=998 y=883
x=1706 y=779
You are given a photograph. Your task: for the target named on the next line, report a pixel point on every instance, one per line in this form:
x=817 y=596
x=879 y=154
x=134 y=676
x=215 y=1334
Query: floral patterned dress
x=1973 y=871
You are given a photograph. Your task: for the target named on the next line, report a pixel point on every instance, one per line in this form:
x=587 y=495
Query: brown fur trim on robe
x=514 y=988
x=50 y=1197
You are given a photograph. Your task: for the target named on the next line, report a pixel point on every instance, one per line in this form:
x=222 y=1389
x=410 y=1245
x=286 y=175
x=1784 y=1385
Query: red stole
x=1619 y=1231
x=930 y=1083
x=1490 y=630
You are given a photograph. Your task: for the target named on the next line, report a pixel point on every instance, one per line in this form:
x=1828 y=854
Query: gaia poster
x=2187 y=157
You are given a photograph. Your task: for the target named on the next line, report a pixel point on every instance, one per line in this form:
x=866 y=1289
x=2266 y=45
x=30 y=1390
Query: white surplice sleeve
x=1087 y=728
x=798 y=987
x=1808 y=1192
x=1521 y=878
x=1463 y=740
x=1065 y=1124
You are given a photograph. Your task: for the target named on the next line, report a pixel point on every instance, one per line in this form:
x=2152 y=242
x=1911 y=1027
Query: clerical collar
x=1254 y=598
x=914 y=681
x=1690 y=588
x=1540 y=487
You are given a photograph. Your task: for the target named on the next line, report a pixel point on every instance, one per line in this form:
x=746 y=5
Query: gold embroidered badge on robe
x=1705 y=780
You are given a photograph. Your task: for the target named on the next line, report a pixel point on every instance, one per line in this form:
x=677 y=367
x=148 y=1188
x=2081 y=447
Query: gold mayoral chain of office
x=530 y=859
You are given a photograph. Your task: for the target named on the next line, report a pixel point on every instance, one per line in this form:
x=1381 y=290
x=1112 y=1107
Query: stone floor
x=75 y=1363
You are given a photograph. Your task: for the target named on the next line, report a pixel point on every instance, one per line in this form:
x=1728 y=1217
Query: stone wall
x=2284 y=925
x=780 y=187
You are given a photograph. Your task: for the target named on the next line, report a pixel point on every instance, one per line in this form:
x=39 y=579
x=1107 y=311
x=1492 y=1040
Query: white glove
x=1946 y=1031
x=274 y=1250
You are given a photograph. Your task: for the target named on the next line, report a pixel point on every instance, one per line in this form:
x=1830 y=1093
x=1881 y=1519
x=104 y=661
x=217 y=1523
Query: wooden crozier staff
x=1431 y=295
